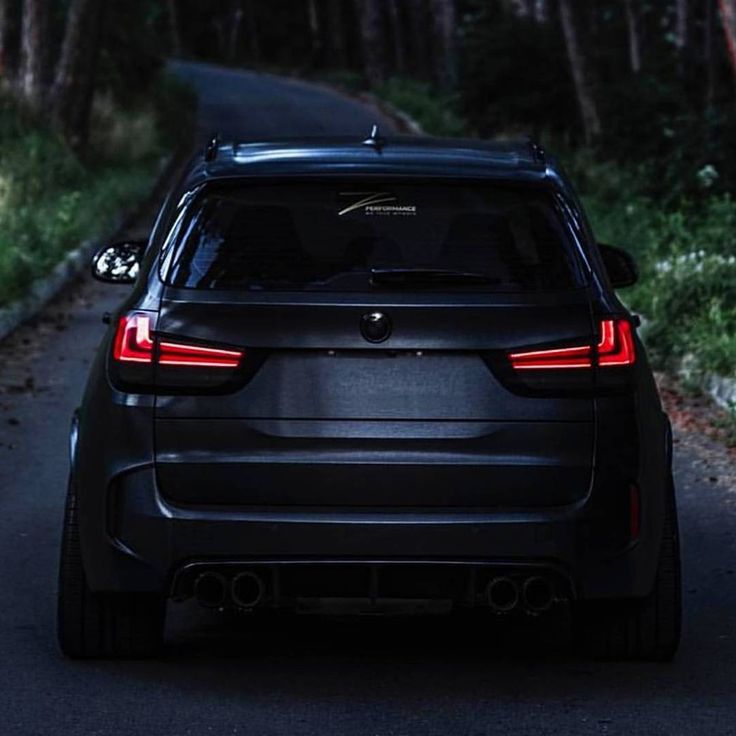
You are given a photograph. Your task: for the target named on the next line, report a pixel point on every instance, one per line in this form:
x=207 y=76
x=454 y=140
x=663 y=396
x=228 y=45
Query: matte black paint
x=333 y=448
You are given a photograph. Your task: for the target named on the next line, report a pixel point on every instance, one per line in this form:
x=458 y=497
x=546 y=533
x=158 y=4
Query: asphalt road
x=318 y=675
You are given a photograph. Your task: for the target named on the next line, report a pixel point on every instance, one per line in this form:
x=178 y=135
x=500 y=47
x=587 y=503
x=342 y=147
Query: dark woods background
x=639 y=79
x=638 y=96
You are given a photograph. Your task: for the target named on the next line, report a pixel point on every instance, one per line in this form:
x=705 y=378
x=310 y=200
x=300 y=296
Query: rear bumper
x=148 y=540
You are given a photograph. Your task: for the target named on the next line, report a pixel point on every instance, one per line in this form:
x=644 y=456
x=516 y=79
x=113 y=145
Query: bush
x=687 y=259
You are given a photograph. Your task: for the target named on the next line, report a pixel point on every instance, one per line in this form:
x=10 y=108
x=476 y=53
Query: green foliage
x=435 y=112
x=50 y=201
x=687 y=258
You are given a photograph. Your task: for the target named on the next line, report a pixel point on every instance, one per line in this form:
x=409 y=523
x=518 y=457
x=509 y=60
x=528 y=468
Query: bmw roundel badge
x=375 y=326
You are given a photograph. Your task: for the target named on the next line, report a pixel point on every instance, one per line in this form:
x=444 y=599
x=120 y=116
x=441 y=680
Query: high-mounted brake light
x=134 y=344
x=615 y=348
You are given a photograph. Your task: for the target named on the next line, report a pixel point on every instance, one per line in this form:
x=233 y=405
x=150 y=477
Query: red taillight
x=578 y=357
x=133 y=343
x=174 y=353
x=615 y=348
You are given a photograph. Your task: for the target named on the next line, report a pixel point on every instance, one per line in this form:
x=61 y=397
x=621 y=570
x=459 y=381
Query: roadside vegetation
x=82 y=135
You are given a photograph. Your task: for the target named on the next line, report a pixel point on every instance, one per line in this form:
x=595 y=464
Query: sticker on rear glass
x=377 y=204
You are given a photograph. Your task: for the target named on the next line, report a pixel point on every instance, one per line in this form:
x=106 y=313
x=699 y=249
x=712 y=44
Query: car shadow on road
x=442 y=657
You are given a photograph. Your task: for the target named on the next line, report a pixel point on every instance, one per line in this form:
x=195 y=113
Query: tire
x=101 y=625
x=644 y=629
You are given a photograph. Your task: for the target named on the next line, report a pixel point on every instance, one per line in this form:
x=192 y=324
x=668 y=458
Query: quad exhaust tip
x=503 y=594
x=246 y=589
x=210 y=589
x=537 y=594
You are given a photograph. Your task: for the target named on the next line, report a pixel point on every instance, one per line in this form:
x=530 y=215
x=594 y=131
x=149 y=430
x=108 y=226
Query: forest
x=637 y=97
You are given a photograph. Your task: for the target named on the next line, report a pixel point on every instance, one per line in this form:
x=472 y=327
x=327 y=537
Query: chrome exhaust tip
x=210 y=589
x=537 y=594
x=502 y=594
x=247 y=589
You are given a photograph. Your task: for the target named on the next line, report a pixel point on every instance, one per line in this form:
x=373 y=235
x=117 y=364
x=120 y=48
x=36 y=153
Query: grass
x=50 y=201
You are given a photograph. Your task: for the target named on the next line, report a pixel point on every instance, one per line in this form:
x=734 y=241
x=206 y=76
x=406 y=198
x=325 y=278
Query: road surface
x=312 y=675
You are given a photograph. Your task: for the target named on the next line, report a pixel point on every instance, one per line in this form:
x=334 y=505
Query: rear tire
x=646 y=629
x=96 y=625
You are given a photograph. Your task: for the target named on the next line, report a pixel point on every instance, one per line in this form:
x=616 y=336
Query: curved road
x=313 y=675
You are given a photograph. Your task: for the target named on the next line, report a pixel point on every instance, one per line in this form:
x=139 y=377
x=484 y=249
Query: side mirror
x=621 y=267
x=119 y=263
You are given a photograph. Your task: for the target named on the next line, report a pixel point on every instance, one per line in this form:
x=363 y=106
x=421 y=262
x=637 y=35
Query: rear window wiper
x=428 y=276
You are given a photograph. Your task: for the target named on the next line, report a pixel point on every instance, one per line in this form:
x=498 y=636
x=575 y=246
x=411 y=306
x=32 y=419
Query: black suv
x=374 y=370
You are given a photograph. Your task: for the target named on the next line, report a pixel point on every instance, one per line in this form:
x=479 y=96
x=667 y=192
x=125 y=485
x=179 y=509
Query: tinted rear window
x=334 y=237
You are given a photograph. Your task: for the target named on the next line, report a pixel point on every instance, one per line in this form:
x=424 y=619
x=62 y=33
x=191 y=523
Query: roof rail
x=212 y=148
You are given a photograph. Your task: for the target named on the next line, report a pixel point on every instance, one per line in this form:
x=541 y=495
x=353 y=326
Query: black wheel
x=89 y=624
x=647 y=629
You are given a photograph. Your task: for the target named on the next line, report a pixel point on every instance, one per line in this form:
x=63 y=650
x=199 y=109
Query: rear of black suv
x=379 y=375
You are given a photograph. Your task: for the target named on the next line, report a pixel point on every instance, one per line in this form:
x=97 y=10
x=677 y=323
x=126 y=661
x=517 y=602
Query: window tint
x=335 y=236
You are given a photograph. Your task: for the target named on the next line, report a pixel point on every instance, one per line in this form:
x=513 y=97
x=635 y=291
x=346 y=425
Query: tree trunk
x=632 y=26
x=443 y=13
x=4 y=18
x=251 y=22
x=237 y=22
x=681 y=25
x=371 y=31
x=586 y=101
x=315 y=33
x=33 y=52
x=709 y=55
x=728 y=19
x=397 y=34
x=336 y=35
x=173 y=13
x=74 y=85
x=541 y=11
x=419 y=34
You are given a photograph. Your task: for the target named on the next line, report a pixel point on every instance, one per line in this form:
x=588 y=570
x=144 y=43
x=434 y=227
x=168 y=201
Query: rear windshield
x=351 y=237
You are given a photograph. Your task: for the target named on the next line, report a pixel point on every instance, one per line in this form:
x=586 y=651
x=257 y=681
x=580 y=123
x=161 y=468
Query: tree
x=4 y=20
x=74 y=84
x=728 y=19
x=419 y=33
x=632 y=26
x=583 y=90
x=443 y=13
x=374 y=46
x=315 y=32
x=337 y=48
x=397 y=34
x=251 y=25
x=173 y=15
x=33 y=52
x=681 y=25
x=541 y=11
x=709 y=55
x=235 y=25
